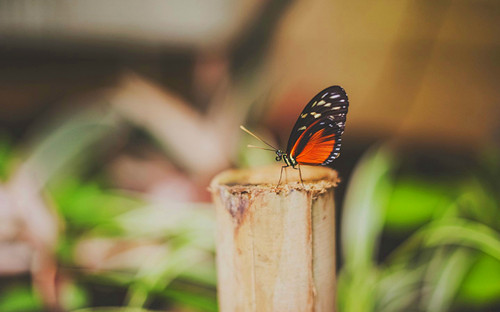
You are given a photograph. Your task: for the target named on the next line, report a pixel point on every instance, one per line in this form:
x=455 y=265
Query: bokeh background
x=115 y=115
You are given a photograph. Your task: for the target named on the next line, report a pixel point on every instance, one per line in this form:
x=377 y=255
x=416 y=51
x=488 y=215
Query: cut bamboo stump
x=275 y=245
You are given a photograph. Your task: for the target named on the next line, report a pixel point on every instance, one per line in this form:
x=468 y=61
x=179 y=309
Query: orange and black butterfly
x=316 y=137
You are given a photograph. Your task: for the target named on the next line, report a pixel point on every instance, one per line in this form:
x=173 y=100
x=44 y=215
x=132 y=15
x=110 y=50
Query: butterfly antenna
x=262 y=148
x=248 y=131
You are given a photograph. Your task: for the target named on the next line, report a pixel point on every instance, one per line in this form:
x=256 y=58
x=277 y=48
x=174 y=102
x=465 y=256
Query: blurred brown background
x=425 y=70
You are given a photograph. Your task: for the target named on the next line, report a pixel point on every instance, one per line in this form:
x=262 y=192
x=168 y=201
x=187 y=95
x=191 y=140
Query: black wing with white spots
x=327 y=110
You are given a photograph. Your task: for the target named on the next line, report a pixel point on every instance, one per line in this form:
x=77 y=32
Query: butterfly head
x=279 y=155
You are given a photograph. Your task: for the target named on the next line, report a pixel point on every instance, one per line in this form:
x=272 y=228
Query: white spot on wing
x=335 y=96
x=301 y=128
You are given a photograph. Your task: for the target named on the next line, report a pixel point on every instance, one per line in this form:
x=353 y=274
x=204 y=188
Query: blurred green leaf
x=204 y=273
x=362 y=223
x=356 y=290
x=413 y=202
x=73 y=296
x=364 y=209
x=448 y=279
x=5 y=156
x=156 y=276
x=59 y=150
x=20 y=299
x=193 y=300
x=64 y=249
x=112 y=309
x=190 y=223
x=482 y=284
x=476 y=202
x=397 y=288
x=87 y=205
x=453 y=231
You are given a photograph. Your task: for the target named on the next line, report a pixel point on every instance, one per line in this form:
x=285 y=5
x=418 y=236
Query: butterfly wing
x=331 y=101
x=316 y=136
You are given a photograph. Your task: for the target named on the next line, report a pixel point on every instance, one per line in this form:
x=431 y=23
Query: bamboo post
x=275 y=245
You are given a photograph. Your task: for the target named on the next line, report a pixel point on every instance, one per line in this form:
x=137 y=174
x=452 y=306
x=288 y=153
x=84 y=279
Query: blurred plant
x=73 y=240
x=449 y=251
x=75 y=236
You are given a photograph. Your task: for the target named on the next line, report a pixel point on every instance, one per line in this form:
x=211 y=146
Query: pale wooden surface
x=275 y=245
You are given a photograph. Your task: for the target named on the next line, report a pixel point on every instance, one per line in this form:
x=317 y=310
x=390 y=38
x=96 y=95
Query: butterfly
x=317 y=135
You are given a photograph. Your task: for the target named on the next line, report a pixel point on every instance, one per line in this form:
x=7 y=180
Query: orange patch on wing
x=317 y=149
x=292 y=152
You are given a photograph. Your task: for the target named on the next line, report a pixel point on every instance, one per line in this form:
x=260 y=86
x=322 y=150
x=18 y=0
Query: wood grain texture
x=275 y=245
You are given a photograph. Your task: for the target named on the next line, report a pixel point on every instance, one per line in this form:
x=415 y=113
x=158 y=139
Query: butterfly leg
x=300 y=175
x=281 y=175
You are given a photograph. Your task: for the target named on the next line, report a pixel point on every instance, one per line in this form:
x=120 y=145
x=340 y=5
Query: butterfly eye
x=279 y=155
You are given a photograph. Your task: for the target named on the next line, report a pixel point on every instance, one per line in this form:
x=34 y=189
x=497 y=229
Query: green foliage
x=482 y=282
x=362 y=225
x=193 y=300
x=180 y=236
x=413 y=202
x=19 y=298
x=184 y=232
x=449 y=254
x=112 y=309
x=88 y=205
x=369 y=192
x=64 y=149
x=73 y=296
x=5 y=156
